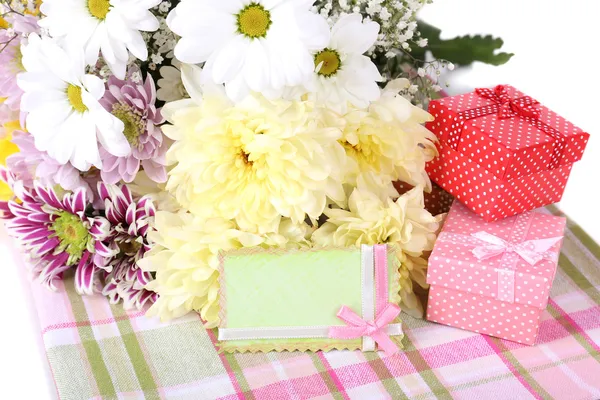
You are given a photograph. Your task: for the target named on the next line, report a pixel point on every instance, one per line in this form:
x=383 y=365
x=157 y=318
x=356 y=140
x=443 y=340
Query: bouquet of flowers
x=142 y=137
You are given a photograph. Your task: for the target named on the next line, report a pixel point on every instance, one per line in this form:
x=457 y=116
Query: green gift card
x=289 y=299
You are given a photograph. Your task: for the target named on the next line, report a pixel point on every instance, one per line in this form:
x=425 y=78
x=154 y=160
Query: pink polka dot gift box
x=501 y=152
x=494 y=277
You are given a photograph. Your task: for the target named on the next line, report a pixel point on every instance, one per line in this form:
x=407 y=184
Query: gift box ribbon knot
x=487 y=246
x=523 y=107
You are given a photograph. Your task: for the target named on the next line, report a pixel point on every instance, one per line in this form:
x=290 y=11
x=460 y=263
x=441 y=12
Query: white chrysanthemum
x=374 y=217
x=342 y=73
x=110 y=26
x=250 y=45
x=64 y=114
x=254 y=162
x=170 y=86
x=186 y=262
x=388 y=138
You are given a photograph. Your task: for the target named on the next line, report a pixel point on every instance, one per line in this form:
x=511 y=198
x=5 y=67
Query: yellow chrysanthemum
x=374 y=217
x=255 y=162
x=388 y=139
x=185 y=260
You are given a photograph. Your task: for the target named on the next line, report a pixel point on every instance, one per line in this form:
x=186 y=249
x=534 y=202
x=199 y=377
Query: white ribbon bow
x=532 y=251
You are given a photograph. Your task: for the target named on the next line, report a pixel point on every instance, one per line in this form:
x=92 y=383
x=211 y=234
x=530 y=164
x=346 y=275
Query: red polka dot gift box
x=501 y=152
x=494 y=277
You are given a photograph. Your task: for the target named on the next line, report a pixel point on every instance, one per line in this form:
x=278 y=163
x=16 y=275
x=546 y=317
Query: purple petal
x=130 y=215
x=100 y=228
x=103 y=250
x=84 y=275
x=79 y=201
x=37 y=234
x=112 y=215
x=40 y=217
x=48 y=196
x=103 y=191
x=18 y=210
x=48 y=246
x=127 y=193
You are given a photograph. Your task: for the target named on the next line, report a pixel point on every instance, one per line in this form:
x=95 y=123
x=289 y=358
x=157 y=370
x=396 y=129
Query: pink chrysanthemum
x=31 y=164
x=10 y=57
x=131 y=220
x=59 y=235
x=134 y=104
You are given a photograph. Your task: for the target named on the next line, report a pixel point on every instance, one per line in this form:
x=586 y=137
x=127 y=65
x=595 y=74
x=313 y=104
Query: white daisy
x=342 y=73
x=110 y=26
x=250 y=45
x=64 y=114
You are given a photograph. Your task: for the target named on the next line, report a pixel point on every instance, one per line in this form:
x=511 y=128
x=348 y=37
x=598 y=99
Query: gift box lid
x=512 y=260
x=507 y=132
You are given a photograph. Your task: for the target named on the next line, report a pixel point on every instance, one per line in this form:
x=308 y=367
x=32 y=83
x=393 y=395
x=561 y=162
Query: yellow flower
x=374 y=217
x=185 y=260
x=6 y=149
x=388 y=139
x=253 y=162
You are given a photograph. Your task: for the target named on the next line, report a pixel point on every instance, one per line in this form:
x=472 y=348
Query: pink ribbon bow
x=532 y=251
x=523 y=107
x=358 y=327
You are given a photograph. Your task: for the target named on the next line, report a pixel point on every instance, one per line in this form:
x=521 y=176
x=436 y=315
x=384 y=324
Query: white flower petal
x=283 y=57
x=256 y=67
x=110 y=134
x=72 y=22
x=229 y=60
x=191 y=75
x=94 y=86
x=351 y=35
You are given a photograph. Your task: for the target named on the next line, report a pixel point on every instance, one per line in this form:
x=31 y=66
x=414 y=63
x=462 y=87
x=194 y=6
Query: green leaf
x=464 y=50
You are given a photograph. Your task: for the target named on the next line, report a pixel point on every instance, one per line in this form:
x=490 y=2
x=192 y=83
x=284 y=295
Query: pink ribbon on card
x=371 y=329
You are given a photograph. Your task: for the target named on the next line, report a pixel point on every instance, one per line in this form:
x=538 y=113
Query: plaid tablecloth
x=98 y=351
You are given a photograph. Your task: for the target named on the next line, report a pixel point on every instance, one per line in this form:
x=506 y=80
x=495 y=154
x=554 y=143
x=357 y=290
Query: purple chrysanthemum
x=59 y=235
x=10 y=57
x=133 y=104
x=131 y=220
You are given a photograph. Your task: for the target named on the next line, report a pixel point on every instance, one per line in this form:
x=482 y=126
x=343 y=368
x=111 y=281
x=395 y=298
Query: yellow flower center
x=99 y=8
x=74 y=96
x=134 y=125
x=327 y=62
x=4 y=23
x=244 y=156
x=254 y=21
x=72 y=233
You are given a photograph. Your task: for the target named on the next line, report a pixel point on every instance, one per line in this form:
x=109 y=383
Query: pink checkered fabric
x=96 y=350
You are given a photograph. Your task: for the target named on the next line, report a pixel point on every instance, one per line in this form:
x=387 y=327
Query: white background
x=556 y=44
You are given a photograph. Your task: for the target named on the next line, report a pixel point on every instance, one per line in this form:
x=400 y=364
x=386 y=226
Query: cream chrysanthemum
x=374 y=217
x=185 y=260
x=255 y=162
x=388 y=138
